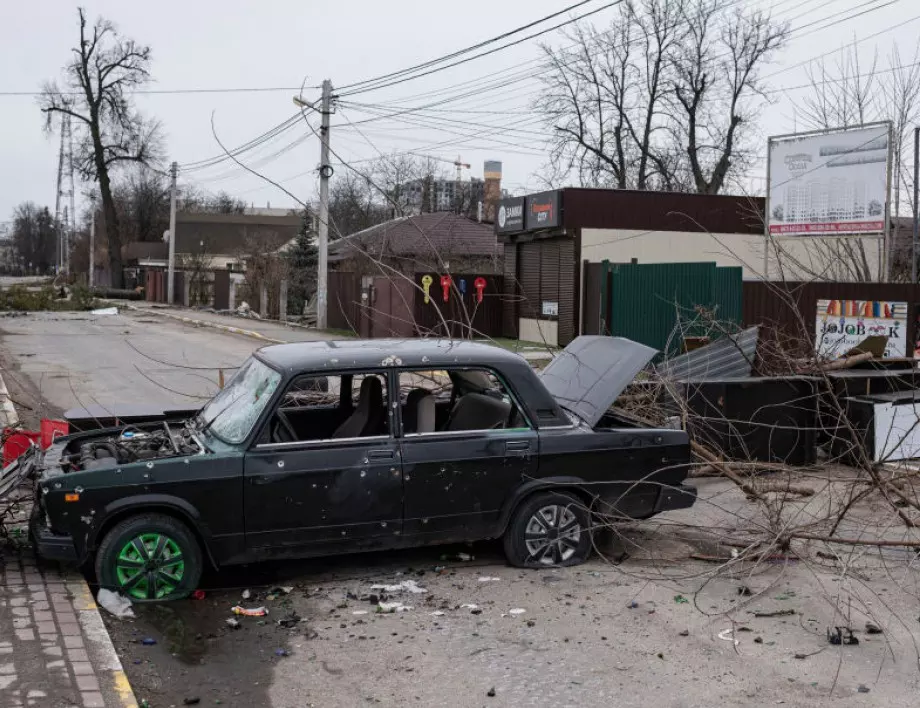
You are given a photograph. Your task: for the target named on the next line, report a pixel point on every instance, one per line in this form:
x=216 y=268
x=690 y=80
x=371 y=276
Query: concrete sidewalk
x=54 y=648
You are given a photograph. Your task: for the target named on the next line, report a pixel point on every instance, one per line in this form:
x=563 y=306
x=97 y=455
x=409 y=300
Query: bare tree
x=34 y=238
x=104 y=69
x=849 y=92
x=660 y=100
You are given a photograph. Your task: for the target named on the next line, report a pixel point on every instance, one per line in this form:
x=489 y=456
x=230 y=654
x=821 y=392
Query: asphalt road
x=648 y=631
x=64 y=360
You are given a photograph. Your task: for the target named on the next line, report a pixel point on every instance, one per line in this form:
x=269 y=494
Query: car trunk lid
x=589 y=374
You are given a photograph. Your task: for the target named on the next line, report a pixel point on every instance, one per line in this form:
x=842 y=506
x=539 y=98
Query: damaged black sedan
x=321 y=448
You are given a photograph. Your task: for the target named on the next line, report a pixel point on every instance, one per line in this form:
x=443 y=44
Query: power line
x=175 y=92
x=482 y=54
x=466 y=50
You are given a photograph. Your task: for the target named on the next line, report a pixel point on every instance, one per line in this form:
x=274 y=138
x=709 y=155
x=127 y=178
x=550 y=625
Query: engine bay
x=134 y=443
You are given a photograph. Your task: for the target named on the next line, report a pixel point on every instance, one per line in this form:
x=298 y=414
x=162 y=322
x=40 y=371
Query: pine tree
x=302 y=259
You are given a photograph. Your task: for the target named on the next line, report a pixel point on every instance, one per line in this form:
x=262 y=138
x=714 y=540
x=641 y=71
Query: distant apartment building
x=464 y=197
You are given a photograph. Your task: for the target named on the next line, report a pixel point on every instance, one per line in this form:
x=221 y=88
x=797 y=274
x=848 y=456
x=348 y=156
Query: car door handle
x=517 y=445
x=381 y=454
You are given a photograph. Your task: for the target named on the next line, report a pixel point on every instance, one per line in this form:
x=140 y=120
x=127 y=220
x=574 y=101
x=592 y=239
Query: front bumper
x=671 y=498
x=50 y=545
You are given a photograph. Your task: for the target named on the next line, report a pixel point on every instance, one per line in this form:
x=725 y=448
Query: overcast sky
x=218 y=44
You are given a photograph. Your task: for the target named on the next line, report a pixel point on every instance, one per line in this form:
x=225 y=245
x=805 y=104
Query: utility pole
x=57 y=202
x=92 y=240
x=171 y=275
x=325 y=172
x=913 y=251
x=322 y=231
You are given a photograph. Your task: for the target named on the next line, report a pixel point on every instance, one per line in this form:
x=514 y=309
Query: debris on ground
x=633 y=604
x=105 y=311
x=684 y=633
x=491 y=692
x=517 y=611
x=437 y=613
x=842 y=636
x=728 y=635
x=872 y=628
x=862 y=688
x=744 y=591
x=194 y=701
x=463 y=557
x=290 y=621
x=199 y=595
x=469 y=606
x=359 y=612
x=391 y=607
x=281 y=652
x=486 y=579
x=148 y=641
x=775 y=613
x=233 y=623
x=246 y=594
x=116 y=605
x=404 y=586
x=681 y=600
x=253 y=612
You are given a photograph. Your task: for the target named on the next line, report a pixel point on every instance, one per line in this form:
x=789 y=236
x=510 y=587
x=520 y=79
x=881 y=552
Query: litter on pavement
x=389 y=607
x=517 y=611
x=485 y=579
x=404 y=586
x=105 y=311
x=727 y=635
x=115 y=604
x=254 y=612
x=233 y=623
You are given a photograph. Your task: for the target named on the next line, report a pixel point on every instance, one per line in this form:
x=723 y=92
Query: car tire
x=149 y=558
x=533 y=538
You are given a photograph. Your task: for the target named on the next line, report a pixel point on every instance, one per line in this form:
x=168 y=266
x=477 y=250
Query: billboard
x=542 y=211
x=829 y=183
x=841 y=325
x=510 y=215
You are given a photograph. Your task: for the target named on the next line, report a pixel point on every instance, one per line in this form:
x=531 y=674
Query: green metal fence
x=645 y=302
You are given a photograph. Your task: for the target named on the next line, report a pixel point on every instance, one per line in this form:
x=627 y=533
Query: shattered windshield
x=231 y=414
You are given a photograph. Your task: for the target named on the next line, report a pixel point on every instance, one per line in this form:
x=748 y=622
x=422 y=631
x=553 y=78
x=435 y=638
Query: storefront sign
x=510 y=215
x=843 y=324
x=542 y=211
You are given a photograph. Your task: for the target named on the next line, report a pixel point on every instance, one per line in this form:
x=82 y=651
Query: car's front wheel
x=550 y=529
x=149 y=558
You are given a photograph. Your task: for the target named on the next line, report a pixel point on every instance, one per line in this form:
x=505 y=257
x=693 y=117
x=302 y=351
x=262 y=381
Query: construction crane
x=458 y=163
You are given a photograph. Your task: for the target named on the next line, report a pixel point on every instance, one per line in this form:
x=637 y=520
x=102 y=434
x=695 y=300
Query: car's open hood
x=589 y=374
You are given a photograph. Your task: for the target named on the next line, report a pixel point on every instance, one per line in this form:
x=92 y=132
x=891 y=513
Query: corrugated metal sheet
x=727 y=357
x=727 y=294
x=510 y=292
x=566 y=291
x=529 y=277
x=647 y=299
x=661 y=211
x=784 y=309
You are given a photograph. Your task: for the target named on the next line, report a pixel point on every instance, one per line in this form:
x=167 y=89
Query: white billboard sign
x=829 y=183
x=842 y=325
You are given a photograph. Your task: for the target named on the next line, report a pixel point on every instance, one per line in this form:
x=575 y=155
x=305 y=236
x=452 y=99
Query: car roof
x=373 y=353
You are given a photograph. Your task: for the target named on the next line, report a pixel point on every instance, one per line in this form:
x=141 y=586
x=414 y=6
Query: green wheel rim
x=150 y=567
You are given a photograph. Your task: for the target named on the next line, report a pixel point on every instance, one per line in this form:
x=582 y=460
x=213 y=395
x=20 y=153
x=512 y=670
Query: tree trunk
x=113 y=239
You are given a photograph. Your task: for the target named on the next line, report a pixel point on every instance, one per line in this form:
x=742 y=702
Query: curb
x=200 y=323
x=11 y=417
x=113 y=682
x=112 y=679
